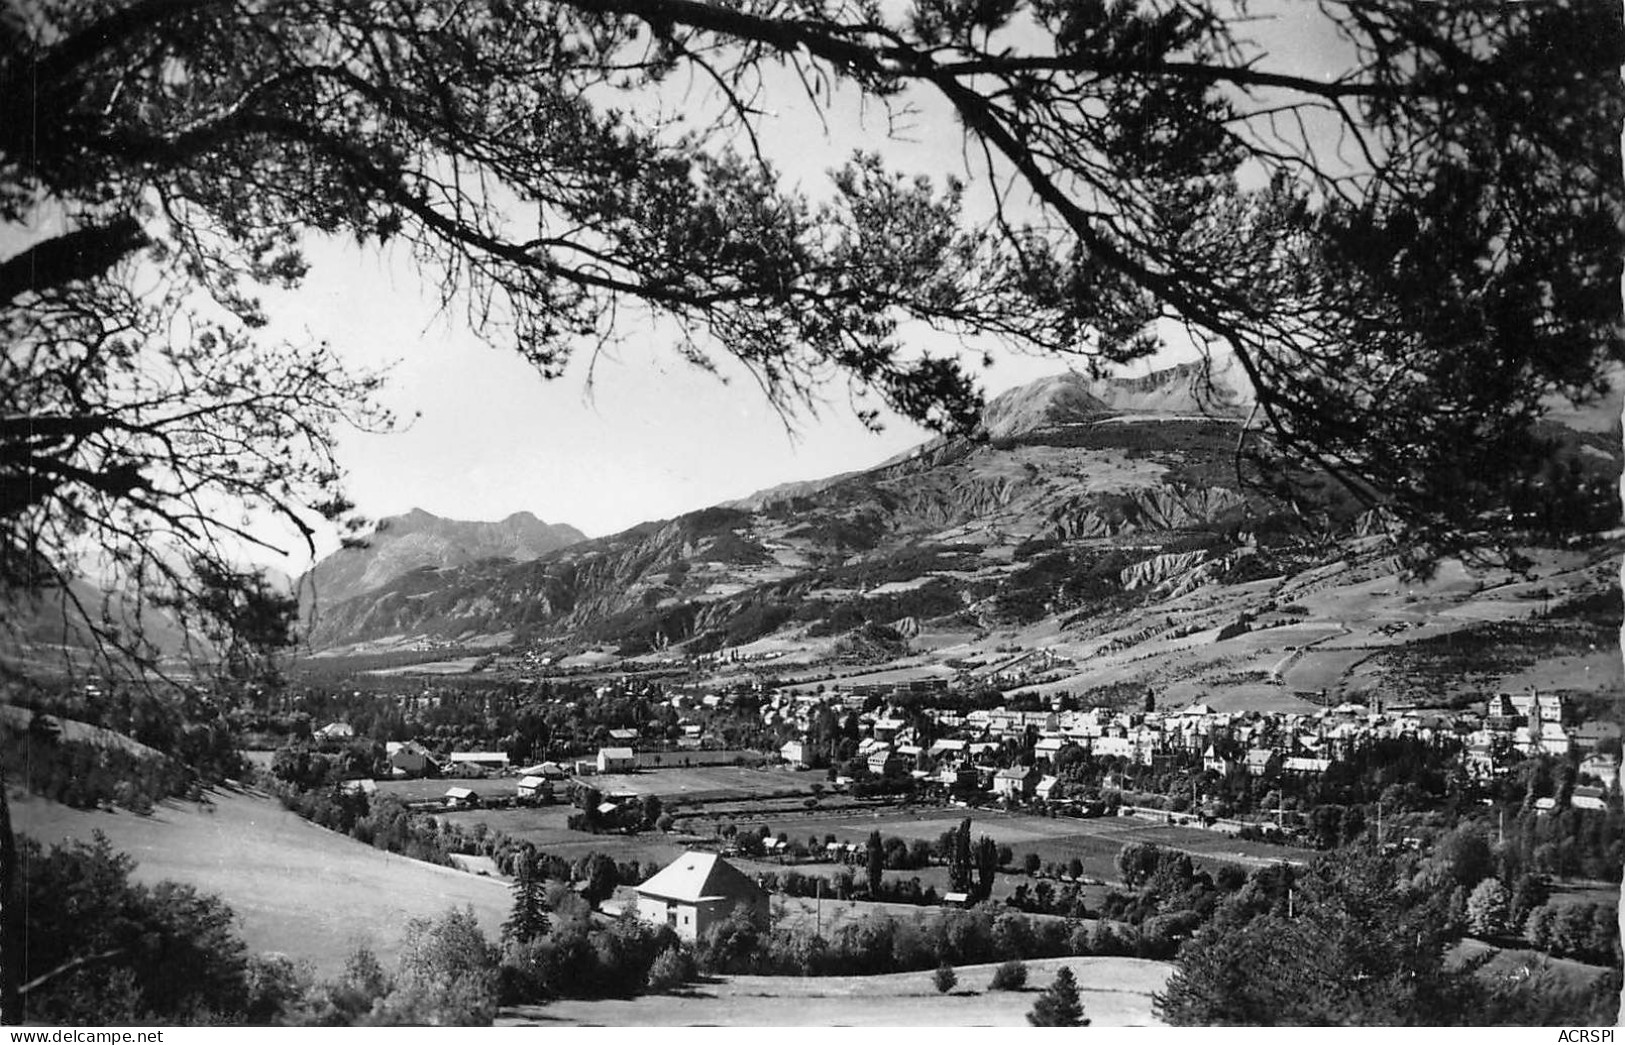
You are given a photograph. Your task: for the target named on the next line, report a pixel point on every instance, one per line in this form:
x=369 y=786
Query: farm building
x=616 y=760
x=795 y=753
x=546 y=770
x=535 y=787
x=459 y=797
x=494 y=760
x=697 y=891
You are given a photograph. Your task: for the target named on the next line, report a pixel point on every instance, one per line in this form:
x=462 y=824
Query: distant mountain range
x=1081 y=507
x=1095 y=533
x=401 y=544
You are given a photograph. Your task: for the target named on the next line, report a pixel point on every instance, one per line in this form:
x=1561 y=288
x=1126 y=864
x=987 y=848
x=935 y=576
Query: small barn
x=616 y=760
x=536 y=787
x=697 y=891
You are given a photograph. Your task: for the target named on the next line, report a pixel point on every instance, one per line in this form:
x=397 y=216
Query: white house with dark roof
x=697 y=891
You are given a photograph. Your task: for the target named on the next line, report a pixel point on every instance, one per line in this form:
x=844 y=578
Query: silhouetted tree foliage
x=1356 y=939
x=102 y=949
x=1409 y=254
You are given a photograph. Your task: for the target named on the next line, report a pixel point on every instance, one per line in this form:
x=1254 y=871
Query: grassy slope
x=1116 y=992
x=297 y=888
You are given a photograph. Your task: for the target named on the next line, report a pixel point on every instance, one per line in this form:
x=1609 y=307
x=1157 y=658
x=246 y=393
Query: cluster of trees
x=105 y=950
x=383 y=822
x=185 y=723
x=971 y=869
x=83 y=774
x=844 y=884
x=1044 y=898
x=1586 y=931
x=1355 y=938
x=884 y=944
x=1517 y=857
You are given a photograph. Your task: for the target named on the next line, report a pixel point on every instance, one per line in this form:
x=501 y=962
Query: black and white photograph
x=811 y=513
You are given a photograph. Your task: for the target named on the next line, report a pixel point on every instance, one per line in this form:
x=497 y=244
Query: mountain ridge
x=413 y=540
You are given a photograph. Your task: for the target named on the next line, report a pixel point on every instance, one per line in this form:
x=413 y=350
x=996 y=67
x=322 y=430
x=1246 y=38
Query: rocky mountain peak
x=1215 y=388
x=401 y=544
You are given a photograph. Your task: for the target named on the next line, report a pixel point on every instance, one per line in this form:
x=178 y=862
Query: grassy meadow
x=1116 y=992
x=296 y=888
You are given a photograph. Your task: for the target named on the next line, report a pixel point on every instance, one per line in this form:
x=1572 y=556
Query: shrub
x=109 y=950
x=1009 y=976
x=945 y=979
x=670 y=970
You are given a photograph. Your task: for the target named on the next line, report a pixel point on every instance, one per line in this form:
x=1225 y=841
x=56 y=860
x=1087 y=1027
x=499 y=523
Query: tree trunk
x=11 y=919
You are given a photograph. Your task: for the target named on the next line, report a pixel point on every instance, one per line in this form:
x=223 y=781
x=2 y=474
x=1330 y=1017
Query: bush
x=1009 y=976
x=670 y=970
x=945 y=979
x=114 y=951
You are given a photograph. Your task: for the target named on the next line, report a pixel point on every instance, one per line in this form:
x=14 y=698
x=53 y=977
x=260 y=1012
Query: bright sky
x=651 y=438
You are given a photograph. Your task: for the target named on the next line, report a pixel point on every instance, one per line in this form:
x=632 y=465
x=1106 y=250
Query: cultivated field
x=704 y=783
x=434 y=790
x=1116 y=992
x=296 y=888
x=544 y=827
